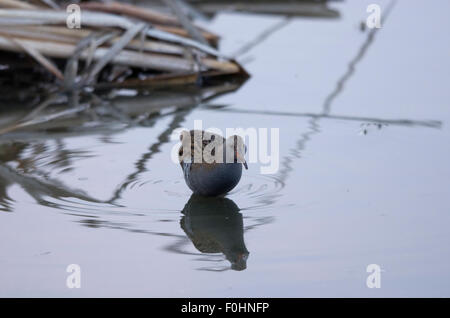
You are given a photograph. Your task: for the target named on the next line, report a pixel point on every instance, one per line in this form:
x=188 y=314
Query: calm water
x=364 y=173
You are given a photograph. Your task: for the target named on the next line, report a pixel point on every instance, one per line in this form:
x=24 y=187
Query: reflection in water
x=214 y=225
x=32 y=143
x=313 y=122
x=262 y=37
x=313 y=127
x=206 y=9
x=19 y=164
x=35 y=155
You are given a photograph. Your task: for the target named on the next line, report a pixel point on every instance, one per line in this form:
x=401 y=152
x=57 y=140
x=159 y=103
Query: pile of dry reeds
x=117 y=45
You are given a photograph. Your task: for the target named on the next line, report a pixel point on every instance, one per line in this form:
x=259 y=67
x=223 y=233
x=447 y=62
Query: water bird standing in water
x=212 y=165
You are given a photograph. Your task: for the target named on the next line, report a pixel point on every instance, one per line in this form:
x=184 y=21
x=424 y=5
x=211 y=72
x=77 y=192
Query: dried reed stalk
x=95 y=19
x=125 y=57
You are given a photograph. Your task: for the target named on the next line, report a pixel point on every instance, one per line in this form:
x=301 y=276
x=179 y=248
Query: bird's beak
x=242 y=159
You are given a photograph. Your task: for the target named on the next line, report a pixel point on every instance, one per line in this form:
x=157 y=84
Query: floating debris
x=117 y=45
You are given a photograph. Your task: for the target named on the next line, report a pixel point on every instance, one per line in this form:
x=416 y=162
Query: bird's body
x=211 y=165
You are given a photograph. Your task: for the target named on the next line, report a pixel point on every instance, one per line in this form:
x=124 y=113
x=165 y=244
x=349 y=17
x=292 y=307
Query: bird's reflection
x=214 y=225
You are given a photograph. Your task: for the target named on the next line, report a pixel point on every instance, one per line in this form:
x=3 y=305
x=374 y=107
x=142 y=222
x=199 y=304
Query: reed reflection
x=214 y=225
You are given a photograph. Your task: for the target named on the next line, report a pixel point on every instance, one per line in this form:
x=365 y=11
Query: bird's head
x=186 y=146
x=235 y=145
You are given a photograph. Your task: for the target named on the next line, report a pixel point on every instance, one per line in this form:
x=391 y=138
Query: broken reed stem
x=73 y=36
x=125 y=57
x=115 y=49
x=96 y=19
x=111 y=37
x=15 y=4
x=185 y=22
x=159 y=20
x=144 y=14
x=46 y=63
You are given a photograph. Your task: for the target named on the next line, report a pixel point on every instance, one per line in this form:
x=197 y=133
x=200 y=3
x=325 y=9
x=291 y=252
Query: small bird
x=212 y=165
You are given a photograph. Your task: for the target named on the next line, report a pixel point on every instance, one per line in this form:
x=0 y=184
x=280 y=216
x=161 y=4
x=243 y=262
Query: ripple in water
x=213 y=232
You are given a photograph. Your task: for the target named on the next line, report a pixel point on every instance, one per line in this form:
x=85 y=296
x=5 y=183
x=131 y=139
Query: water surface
x=364 y=172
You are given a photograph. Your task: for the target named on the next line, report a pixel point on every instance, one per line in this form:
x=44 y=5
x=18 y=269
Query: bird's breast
x=212 y=179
